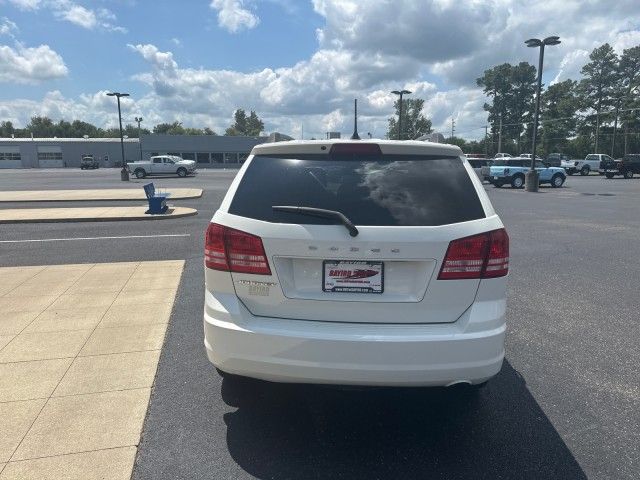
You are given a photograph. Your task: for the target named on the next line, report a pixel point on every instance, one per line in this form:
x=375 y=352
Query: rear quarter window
x=388 y=190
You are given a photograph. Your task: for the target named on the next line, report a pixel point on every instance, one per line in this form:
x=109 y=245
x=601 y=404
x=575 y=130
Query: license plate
x=353 y=276
x=495 y=178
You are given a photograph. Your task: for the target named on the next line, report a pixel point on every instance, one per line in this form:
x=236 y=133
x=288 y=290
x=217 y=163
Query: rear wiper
x=320 y=212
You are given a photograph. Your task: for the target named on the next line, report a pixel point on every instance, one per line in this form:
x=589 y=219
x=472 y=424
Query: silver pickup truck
x=163 y=165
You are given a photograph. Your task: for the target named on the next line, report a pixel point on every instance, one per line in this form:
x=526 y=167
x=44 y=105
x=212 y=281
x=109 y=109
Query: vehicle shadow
x=293 y=431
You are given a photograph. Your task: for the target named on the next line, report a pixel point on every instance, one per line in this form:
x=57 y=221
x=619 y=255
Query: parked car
x=528 y=155
x=627 y=166
x=502 y=155
x=478 y=164
x=88 y=162
x=475 y=155
x=557 y=160
x=163 y=165
x=351 y=262
x=591 y=163
x=512 y=171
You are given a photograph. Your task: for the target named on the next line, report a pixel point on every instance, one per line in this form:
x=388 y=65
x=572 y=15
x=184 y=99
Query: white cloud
x=75 y=13
x=7 y=27
x=233 y=16
x=436 y=49
x=78 y=15
x=30 y=65
x=26 y=4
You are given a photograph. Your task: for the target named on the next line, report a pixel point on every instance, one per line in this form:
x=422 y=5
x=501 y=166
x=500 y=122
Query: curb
x=106 y=199
x=189 y=212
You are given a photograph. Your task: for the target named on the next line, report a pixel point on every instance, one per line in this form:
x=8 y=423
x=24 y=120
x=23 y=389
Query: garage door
x=50 y=157
x=10 y=157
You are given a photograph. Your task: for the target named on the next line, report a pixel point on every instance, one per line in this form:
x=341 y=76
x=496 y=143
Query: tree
x=629 y=85
x=41 y=127
x=460 y=142
x=208 y=131
x=559 y=105
x=598 y=86
x=414 y=123
x=512 y=89
x=6 y=129
x=250 y=126
x=174 y=128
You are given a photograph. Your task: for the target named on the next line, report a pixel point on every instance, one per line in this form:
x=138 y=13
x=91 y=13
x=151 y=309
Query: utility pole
x=500 y=135
x=532 y=177
x=453 y=127
x=615 y=128
x=486 y=140
x=139 y=120
x=124 y=173
x=626 y=129
x=400 y=93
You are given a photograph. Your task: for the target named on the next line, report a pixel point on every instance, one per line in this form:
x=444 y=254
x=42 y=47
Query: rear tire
x=557 y=181
x=584 y=171
x=628 y=174
x=517 y=181
x=609 y=175
x=140 y=173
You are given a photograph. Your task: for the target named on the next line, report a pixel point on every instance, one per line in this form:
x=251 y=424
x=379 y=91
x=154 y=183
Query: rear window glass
x=388 y=190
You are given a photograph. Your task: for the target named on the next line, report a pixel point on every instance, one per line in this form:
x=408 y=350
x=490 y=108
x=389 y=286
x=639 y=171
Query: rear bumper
x=299 y=351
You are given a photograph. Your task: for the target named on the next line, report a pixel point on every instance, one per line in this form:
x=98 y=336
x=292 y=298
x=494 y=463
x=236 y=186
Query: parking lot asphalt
x=566 y=404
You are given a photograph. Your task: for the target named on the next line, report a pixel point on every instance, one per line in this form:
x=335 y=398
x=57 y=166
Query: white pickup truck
x=163 y=165
x=591 y=163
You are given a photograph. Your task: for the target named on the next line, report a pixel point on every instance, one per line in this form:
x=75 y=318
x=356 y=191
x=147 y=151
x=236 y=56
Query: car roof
x=390 y=147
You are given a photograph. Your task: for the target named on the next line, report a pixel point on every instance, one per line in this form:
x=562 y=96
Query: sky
x=298 y=63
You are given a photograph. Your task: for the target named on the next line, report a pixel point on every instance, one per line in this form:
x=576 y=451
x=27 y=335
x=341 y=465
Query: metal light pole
x=532 y=178
x=139 y=120
x=400 y=92
x=124 y=173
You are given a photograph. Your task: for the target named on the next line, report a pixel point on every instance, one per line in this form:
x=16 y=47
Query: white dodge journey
x=356 y=263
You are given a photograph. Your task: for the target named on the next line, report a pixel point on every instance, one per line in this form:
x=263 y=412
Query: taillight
x=231 y=250
x=480 y=256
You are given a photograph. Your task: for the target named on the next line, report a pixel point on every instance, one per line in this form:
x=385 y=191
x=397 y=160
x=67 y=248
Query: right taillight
x=480 y=256
x=232 y=250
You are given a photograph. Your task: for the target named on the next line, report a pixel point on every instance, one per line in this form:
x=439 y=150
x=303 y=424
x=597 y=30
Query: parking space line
x=94 y=238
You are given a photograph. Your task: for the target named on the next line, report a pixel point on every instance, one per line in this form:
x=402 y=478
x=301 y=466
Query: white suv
x=362 y=263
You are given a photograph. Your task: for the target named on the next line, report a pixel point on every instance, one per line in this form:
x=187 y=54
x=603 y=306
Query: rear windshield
x=388 y=190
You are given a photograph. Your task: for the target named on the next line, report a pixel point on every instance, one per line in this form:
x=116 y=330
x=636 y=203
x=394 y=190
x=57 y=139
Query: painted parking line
x=74 y=239
x=77 y=365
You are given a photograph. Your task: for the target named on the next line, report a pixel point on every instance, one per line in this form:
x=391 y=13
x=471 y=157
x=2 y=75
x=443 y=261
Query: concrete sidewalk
x=88 y=214
x=111 y=194
x=79 y=347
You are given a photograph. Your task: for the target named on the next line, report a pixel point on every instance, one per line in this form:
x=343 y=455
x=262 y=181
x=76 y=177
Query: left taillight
x=232 y=250
x=479 y=256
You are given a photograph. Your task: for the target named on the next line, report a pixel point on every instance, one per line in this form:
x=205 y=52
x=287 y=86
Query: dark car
x=88 y=161
x=555 y=159
x=626 y=166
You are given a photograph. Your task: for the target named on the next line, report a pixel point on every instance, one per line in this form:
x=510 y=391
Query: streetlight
x=532 y=179
x=124 y=174
x=400 y=92
x=139 y=120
